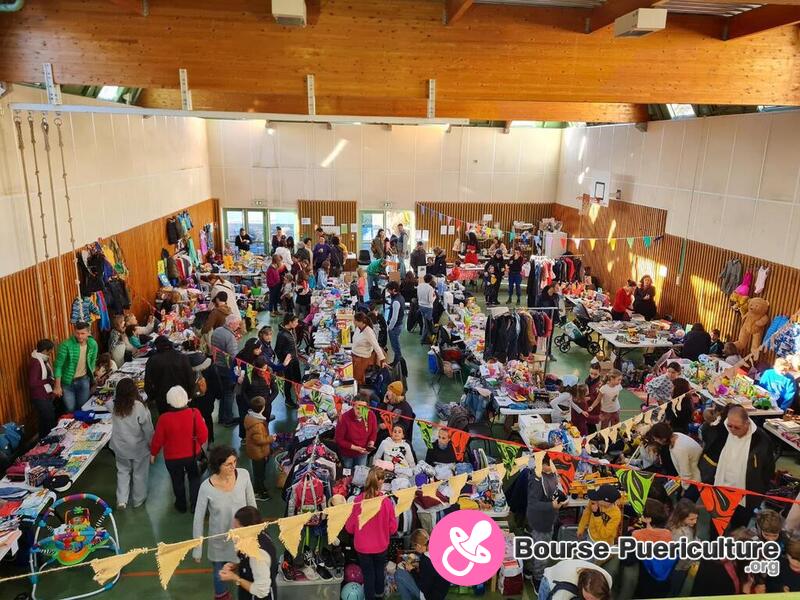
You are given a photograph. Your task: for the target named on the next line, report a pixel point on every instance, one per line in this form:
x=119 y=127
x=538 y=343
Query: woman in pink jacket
x=372 y=541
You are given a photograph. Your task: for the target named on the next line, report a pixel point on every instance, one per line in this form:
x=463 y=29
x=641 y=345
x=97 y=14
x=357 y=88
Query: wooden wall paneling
x=20 y=310
x=693 y=296
x=494 y=52
x=503 y=216
x=344 y=211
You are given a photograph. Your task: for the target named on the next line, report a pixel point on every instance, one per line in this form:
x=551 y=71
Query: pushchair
x=582 y=317
x=572 y=334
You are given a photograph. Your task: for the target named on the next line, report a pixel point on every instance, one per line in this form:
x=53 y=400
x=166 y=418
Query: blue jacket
x=781 y=387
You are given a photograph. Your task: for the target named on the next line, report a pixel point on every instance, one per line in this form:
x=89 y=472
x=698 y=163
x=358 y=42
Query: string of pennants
x=483 y=228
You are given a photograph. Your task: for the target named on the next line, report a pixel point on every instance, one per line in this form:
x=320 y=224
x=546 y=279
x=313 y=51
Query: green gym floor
x=157 y=521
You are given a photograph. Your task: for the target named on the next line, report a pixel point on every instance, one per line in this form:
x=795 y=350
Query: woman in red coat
x=622 y=302
x=355 y=434
x=181 y=432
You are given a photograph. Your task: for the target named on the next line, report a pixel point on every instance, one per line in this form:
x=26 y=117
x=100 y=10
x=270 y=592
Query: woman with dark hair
x=515 y=275
x=337 y=257
x=548 y=298
x=366 y=350
x=40 y=384
x=408 y=287
x=622 y=302
x=644 y=298
x=255 y=577
x=684 y=452
x=227 y=489
x=289 y=356
x=681 y=417
x=131 y=434
x=257 y=385
x=274 y=281
x=290 y=245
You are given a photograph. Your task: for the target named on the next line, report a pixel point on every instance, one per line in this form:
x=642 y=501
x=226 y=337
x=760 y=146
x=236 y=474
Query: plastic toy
x=74 y=540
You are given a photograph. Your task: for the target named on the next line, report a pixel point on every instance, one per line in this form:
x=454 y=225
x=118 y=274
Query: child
x=442 y=450
x=716 y=343
x=593 y=383
x=582 y=418
x=602 y=517
x=322 y=274
x=653 y=581
x=379 y=324
x=395 y=449
x=490 y=286
x=563 y=405
x=287 y=293
x=416 y=576
x=471 y=257
x=133 y=339
x=683 y=524
x=361 y=283
x=258 y=440
x=608 y=397
x=455 y=272
x=105 y=366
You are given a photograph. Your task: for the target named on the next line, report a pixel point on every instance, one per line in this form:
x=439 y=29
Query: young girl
x=416 y=576
x=303 y=290
x=104 y=367
x=131 y=433
x=593 y=383
x=395 y=449
x=564 y=406
x=608 y=397
x=361 y=283
x=322 y=274
x=582 y=418
x=287 y=293
x=683 y=524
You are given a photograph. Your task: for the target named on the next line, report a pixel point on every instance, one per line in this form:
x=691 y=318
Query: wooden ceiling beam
x=760 y=20
x=605 y=14
x=455 y=9
x=476 y=110
x=138 y=7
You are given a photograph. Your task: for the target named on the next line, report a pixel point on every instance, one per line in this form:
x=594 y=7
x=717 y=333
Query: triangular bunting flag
x=458 y=224
x=648 y=241
x=169 y=556
x=613 y=243
x=337 y=516
x=106 y=569
x=508 y=453
x=604 y=435
x=441 y=217
x=637 y=487
x=459 y=439
x=612 y=433
x=480 y=475
x=577 y=243
x=290 y=529
x=563 y=242
x=647 y=417
x=565 y=467
x=592 y=243
x=449 y=220
x=456 y=484
x=427 y=433
x=388 y=421
x=404 y=499
x=538 y=458
x=500 y=470
x=630 y=242
x=369 y=508
x=245 y=539
x=250 y=373
x=520 y=463
x=721 y=502
x=429 y=489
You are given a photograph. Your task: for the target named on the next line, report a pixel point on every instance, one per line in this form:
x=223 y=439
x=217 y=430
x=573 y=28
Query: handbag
x=200 y=459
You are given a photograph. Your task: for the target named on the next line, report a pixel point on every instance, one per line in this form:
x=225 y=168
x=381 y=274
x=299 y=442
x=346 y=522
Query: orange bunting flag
x=388 y=421
x=459 y=439
x=721 y=502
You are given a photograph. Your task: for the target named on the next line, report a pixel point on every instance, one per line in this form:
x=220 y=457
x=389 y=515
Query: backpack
x=381 y=382
x=459 y=417
x=11 y=438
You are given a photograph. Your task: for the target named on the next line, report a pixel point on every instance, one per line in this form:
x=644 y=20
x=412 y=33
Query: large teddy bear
x=753 y=325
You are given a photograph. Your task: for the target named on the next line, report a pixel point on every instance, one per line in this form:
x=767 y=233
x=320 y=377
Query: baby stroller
x=582 y=318
x=572 y=334
x=75 y=539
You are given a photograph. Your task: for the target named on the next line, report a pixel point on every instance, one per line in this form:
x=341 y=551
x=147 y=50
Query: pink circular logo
x=467 y=547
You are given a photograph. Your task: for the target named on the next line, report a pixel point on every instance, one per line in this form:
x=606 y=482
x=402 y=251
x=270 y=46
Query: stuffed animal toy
x=740 y=295
x=753 y=325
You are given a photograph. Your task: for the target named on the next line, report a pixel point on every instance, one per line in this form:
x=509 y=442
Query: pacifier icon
x=469 y=547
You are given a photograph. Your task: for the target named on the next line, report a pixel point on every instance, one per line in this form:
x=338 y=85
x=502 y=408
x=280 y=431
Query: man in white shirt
x=426 y=296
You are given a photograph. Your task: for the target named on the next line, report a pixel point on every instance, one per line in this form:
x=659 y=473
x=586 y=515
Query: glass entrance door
x=371 y=222
x=256 y=229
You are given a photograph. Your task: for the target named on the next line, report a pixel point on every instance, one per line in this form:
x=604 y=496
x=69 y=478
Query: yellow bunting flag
x=337 y=516
x=520 y=463
x=538 y=458
x=404 y=499
x=169 y=556
x=648 y=417
x=290 y=530
x=106 y=569
x=676 y=403
x=245 y=539
x=369 y=508
x=500 y=470
x=592 y=243
x=429 y=489
x=456 y=484
x=479 y=476
x=613 y=243
x=612 y=433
